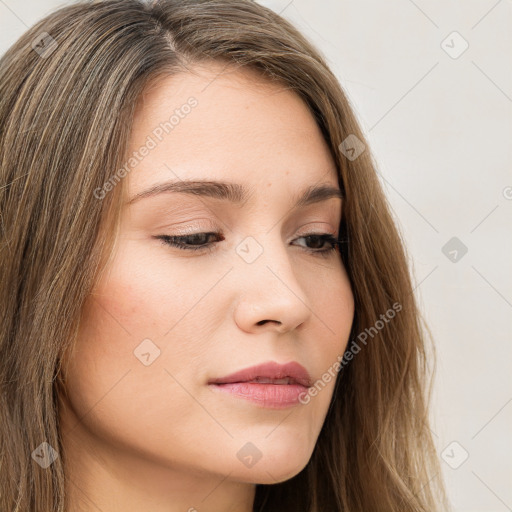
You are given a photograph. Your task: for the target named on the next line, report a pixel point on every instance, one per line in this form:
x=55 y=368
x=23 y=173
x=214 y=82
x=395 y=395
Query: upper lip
x=269 y=370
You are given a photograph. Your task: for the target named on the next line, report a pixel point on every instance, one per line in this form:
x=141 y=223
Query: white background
x=440 y=129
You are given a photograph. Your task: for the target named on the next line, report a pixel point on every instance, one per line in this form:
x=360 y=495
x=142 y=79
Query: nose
x=270 y=296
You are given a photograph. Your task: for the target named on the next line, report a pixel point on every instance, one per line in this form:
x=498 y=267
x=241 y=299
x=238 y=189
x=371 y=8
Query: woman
x=205 y=302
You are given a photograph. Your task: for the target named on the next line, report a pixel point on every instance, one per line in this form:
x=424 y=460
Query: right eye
x=192 y=242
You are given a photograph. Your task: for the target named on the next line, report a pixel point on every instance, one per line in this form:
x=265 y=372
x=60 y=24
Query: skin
x=156 y=437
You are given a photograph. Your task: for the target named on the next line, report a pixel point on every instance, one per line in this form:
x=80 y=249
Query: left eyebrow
x=235 y=192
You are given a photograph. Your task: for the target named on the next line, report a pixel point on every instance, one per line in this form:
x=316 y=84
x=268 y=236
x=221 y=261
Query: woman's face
x=163 y=322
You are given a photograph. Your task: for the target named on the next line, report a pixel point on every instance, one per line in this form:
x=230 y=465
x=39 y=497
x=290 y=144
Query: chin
x=277 y=468
x=270 y=474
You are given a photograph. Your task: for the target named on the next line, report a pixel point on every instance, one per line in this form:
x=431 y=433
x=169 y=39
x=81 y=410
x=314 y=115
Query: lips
x=269 y=385
x=270 y=372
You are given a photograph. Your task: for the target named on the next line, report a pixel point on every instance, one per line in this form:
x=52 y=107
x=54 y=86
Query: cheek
x=332 y=304
x=333 y=312
x=141 y=296
x=137 y=301
x=110 y=389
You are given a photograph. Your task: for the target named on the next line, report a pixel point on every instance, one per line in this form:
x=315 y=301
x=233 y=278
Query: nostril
x=261 y=322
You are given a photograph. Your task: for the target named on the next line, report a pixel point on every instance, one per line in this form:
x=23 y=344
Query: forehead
x=217 y=122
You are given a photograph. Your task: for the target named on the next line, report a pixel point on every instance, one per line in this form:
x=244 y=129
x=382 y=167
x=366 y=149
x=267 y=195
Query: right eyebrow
x=233 y=192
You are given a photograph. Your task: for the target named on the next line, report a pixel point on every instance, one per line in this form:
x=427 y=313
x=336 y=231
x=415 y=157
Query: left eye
x=203 y=241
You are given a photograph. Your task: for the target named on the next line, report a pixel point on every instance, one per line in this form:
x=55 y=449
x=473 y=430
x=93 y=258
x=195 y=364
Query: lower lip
x=273 y=396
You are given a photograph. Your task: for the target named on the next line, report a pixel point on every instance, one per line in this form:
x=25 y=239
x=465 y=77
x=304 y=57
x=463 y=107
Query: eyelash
x=172 y=241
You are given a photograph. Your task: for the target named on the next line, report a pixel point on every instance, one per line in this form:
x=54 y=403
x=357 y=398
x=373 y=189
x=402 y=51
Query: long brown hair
x=68 y=88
